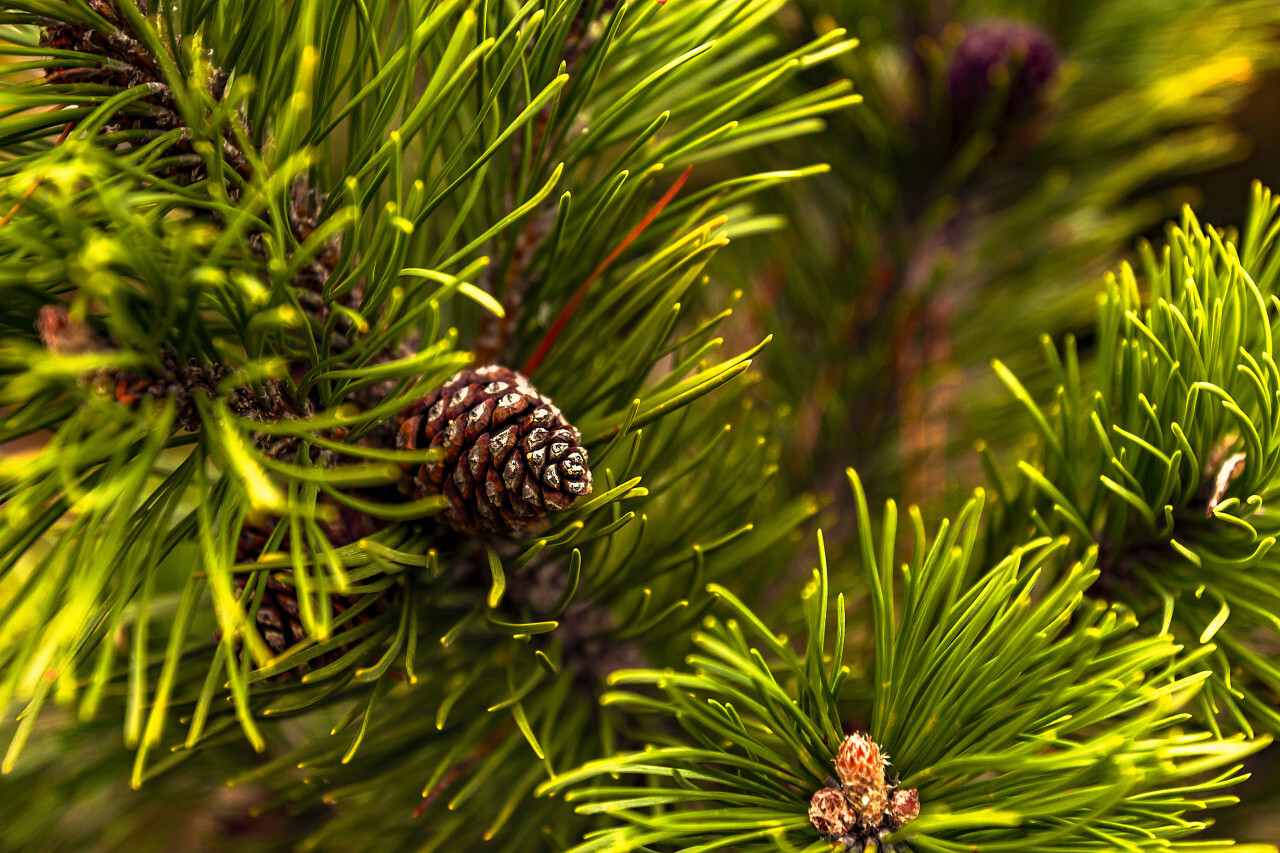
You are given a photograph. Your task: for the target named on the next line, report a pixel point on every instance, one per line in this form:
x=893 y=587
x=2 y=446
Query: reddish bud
x=860 y=767
x=830 y=814
x=904 y=807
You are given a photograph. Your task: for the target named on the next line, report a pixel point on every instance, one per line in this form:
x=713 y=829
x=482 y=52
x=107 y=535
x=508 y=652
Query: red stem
x=462 y=767
x=557 y=327
x=66 y=131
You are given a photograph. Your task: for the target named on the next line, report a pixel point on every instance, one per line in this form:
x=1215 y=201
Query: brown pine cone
x=509 y=456
x=176 y=380
x=131 y=64
x=126 y=63
x=280 y=623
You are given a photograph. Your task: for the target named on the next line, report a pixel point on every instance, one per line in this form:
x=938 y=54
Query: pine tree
x=381 y=436
x=248 y=247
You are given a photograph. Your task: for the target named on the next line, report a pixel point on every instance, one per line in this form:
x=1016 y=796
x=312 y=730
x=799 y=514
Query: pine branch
x=1143 y=461
x=1023 y=714
x=338 y=280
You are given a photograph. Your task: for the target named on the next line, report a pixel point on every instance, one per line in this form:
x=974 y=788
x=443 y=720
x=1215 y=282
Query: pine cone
x=65 y=336
x=132 y=64
x=179 y=381
x=129 y=63
x=860 y=767
x=280 y=624
x=303 y=210
x=830 y=814
x=509 y=458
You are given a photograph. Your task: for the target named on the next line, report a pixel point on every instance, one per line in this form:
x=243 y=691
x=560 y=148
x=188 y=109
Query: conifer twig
x=566 y=313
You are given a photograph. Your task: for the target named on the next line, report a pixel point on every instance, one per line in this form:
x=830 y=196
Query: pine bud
x=830 y=814
x=63 y=335
x=508 y=456
x=860 y=767
x=903 y=807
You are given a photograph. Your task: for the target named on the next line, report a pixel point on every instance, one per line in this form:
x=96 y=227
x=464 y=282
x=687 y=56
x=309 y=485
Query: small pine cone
x=176 y=380
x=183 y=382
x=62 y=335
x=830 y=814
x=860 y=767
x=125 y=63
x=509 y=458
x=279 y=616
x=904 y=807
x=131 y=64
x=280 y=623
x=305 y=205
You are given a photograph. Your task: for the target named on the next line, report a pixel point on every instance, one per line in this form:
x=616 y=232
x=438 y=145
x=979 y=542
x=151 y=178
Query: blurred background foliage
x=971 y=209
x=1005 y=156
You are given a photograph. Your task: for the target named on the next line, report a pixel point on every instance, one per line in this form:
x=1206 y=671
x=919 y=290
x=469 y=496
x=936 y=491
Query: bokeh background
x=1005 y=157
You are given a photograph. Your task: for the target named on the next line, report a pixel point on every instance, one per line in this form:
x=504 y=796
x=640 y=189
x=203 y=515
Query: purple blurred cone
x=1028 y=52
